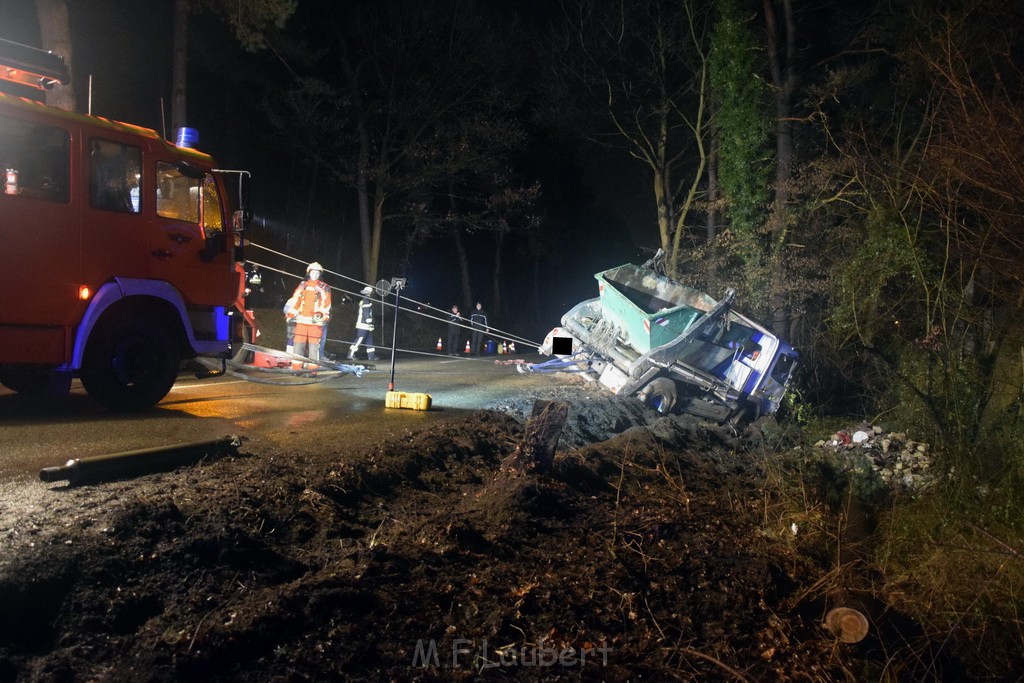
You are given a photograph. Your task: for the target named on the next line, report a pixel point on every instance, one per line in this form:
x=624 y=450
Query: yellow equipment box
x=400 y=399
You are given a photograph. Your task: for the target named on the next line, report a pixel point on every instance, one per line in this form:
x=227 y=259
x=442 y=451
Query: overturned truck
x=672 y=346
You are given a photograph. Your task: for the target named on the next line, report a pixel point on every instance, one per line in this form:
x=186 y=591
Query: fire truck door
x=188 y=242
x=114 y=239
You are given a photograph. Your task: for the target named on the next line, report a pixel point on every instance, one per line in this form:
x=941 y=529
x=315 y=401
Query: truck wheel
x=28 y=381
x=660 y=394
x=746 y=413
x=130 y=363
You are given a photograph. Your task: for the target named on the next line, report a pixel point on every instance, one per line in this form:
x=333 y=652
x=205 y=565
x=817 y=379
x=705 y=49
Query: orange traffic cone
x=467 y=346
x=438 y=343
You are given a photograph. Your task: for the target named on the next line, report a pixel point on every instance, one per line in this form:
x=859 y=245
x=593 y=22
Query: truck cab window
x=35 y=160
x=177 y=195
x=213 y=220
x=115 y=176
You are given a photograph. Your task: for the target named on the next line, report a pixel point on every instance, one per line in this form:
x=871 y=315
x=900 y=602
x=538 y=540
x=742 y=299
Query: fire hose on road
x=271 y=366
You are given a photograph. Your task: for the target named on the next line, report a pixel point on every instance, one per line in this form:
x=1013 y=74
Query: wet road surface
x=43 y=433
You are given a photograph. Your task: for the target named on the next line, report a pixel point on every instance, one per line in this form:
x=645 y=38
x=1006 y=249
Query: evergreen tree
x=739 y=97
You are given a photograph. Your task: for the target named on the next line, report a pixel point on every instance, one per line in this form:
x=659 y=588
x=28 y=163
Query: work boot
x=371 y=357
x=351 y=355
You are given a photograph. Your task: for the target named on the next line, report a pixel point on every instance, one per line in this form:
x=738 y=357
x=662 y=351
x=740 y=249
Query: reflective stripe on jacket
x=364 y=317
x=311 y=297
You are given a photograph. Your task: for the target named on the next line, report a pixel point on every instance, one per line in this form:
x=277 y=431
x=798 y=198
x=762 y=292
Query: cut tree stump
x=847 y=624
x=848 y=620
x=536 y=451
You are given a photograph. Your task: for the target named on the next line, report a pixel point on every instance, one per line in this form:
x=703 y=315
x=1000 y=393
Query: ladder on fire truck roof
x=31 y=66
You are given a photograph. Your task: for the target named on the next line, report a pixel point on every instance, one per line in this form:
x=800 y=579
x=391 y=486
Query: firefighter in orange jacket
x=310 y=308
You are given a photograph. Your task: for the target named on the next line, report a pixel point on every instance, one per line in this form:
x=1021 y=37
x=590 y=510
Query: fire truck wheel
x=130 y=363
x=28 y=381
x=660 y=394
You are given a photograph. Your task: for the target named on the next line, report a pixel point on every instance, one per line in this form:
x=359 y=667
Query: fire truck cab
x=118 y=255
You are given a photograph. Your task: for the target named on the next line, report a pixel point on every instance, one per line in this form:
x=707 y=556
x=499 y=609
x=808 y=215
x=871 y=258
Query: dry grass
x=955 y=562
x=945 y=571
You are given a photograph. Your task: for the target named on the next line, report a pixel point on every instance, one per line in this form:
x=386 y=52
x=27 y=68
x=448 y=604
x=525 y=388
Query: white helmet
x=314 y=266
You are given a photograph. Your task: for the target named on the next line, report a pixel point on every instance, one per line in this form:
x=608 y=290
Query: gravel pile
x=900 y=463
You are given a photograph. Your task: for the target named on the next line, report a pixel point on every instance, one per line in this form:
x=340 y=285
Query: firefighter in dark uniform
x=454 y=320
x=364 y=326
x=478 y=319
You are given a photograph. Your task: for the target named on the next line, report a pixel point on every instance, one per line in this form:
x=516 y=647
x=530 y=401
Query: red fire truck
x=118 y=249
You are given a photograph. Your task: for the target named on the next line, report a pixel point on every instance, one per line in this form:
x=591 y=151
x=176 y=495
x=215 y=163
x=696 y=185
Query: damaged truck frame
x=674 y=347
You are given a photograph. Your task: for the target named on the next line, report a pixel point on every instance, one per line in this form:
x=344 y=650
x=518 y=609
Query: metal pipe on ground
x=129 y=464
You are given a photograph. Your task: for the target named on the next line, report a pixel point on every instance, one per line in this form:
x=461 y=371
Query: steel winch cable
x=419 y=310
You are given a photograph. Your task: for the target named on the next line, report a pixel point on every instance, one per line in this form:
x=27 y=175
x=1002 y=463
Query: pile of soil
x=639 y=556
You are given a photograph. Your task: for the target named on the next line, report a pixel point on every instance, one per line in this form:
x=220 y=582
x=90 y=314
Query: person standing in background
x=478 y=319
x=364 y=327
x=454 y=320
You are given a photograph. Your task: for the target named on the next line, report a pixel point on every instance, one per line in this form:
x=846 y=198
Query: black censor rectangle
x=561 y=346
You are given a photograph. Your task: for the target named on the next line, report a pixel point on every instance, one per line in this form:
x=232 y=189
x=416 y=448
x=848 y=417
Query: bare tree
x=929 y=288
x=248 y=21
x=408 y=115
x=781 y=36
x=55 y=33
x=638 y=71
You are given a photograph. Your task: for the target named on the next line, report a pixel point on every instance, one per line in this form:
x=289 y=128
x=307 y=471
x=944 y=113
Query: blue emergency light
x=187 y=137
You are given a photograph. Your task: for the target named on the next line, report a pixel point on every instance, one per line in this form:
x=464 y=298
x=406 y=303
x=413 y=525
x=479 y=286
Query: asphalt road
x=37 y=434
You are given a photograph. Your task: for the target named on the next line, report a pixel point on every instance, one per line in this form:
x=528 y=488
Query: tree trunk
x=536 y=286
x=711 y=228
x=784 y=79
x=536 y=452
x=663 y=194
x=310 y=199
x=363 y=195
x=496 y=278
x=378 y=233
x=179 y=78
x=460 y=249
x=55 y=33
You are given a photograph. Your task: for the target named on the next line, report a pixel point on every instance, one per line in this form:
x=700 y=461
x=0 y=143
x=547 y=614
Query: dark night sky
x=125 y=45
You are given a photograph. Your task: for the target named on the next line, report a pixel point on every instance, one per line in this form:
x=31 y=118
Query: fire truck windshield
x=177 y=196
x=185 y=198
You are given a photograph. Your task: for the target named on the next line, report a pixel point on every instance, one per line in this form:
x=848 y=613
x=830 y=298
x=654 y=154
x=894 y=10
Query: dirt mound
x=419 y=558
x=595 y=416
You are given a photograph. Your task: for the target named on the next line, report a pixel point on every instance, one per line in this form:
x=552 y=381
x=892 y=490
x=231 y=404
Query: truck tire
x=130 y=363
x=660 y=394
x=744 y=414
x=25 y=380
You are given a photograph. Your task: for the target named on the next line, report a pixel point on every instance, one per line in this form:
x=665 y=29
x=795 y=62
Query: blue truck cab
x=674 y=347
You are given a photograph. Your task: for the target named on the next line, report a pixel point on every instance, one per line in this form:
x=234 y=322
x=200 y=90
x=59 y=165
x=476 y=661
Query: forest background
x=854 y=170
